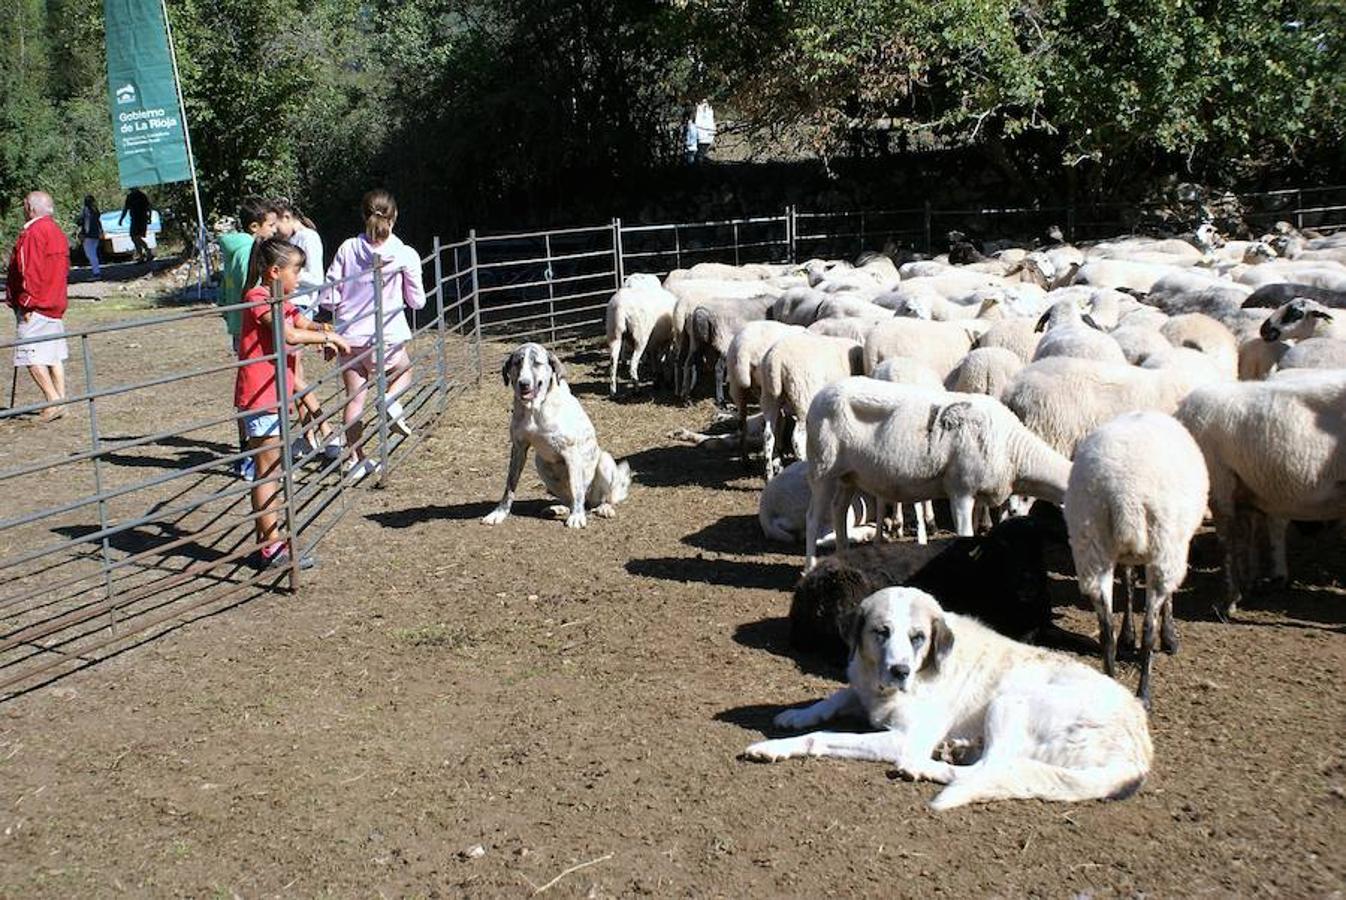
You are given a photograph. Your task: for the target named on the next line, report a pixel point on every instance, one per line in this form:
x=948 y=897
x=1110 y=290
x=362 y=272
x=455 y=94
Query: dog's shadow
x=773 y=636
x=758 y=717
x=719 y=572
x=460 y=512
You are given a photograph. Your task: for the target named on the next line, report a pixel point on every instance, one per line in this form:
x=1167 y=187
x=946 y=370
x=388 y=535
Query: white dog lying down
x=1050 y=727
x=548 y=418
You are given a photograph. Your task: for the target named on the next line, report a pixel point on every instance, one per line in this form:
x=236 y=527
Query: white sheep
x=1139 y=343
x=1302 y=318
x=742 y=360
x=691 y=292
x=902 y=370
x=1201 y=332
x=1315 y=353
x=905 y=444
x=986 y=370
x=711 y=328
x=639 y=315
x=940 y=345
x=1136 y=496
x=854 y=329
x=1069 y=331
x=783 y=508
x=1063 y=399
x=1276 y=448
x=792 y=371
x=1120 y=273
x=1019 y=336
x=1259 y=358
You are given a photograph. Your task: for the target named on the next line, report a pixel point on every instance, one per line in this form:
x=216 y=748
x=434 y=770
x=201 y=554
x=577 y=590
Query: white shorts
x=262 y=425
x=41 y=353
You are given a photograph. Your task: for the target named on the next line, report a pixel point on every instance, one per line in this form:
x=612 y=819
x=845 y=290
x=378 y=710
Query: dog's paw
x=925 y=770
x=794 y=719
x=605 y=510
x=577 y=520
x=558 y=511
x=495 y=516
x=775 y=751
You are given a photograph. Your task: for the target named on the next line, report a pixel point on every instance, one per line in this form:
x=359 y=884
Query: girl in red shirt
x=274 y=261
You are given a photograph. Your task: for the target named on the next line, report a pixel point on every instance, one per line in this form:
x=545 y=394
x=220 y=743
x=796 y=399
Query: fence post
x=283 y=412
x=381 y=378
x=442 y=380
x=736 y=262
x=476 y=301
x=929 y=240
x=619 y=265
x=1299 y=210
x=677 y=249
x=94 y=444
x=1070 y=222
x=791 y=226
x=551 y=290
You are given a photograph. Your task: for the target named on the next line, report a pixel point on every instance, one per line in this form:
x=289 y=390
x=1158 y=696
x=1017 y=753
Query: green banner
x=143 y=95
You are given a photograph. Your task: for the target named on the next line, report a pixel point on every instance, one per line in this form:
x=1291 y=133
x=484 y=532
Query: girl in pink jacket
x=354 y=309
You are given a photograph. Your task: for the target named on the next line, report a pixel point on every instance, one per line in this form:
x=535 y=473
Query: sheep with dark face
x=1000 y=577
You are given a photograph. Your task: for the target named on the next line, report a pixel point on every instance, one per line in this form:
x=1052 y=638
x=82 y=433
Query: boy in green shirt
x=256 y=222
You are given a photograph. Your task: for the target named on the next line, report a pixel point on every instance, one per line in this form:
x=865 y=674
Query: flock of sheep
x=1137 y=383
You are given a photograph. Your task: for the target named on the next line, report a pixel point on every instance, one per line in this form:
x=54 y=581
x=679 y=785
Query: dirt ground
x=573 y=703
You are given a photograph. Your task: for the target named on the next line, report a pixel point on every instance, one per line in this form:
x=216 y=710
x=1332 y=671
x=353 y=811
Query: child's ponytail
x=380 y=211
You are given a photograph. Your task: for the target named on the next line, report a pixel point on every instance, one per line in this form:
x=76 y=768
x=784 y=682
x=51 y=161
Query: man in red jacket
x=39 y=270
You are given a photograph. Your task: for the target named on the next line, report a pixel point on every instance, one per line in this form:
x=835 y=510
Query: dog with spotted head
x=549 y=419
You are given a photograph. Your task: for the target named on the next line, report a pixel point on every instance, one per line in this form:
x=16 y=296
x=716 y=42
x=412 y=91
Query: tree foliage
x=471 y=106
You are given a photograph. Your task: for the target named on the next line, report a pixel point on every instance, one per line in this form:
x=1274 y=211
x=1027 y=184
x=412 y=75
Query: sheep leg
x=743 y=431
x=615 y=351
x=880 y=519
x=636 y=354
x=720 y=377
x=820 y=502
x=1168 y=632
x=1227 y=530
x=1126 y=640
x=962 y=514
x=1280 y=570
x=841 y=514
x=1098 y=588
x=770 y=422
x=917 y=513
x=1154 y=602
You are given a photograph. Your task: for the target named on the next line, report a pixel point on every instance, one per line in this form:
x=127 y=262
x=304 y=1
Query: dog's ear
x=941 y=642
x=511 y=366
x=558 y=368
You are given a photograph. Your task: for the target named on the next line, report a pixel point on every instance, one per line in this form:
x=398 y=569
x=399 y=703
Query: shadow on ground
x=722 y=572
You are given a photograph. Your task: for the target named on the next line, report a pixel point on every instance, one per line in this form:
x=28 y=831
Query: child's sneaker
x=359 y=470
x=332 y=449
x=281 y=560
x=246 y=468
x=301 y=448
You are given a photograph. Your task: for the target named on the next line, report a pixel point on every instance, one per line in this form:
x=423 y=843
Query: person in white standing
x=705 y=129
x=689 y=138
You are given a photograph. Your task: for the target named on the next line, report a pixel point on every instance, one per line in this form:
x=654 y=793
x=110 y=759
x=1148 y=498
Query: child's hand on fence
x=335 y=344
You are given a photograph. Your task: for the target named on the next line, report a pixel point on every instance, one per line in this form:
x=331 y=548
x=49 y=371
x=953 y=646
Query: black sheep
x=999 y=577
x=1271 y=296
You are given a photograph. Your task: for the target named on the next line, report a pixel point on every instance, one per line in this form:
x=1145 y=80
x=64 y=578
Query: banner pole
x=201 y=242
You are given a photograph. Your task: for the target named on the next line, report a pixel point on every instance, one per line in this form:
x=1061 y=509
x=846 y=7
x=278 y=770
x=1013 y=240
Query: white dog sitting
x=1049 y=726
x=548 y=418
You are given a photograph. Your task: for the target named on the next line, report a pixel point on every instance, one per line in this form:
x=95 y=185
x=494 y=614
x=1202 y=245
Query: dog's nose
x=899 y=672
